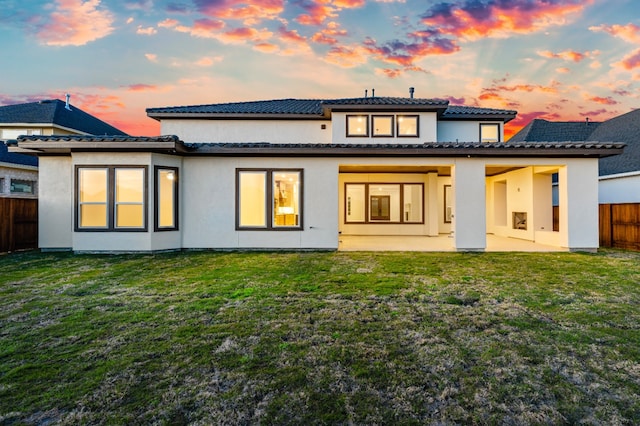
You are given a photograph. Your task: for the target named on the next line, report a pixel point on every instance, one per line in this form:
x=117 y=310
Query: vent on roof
x=66 y=105
x=411 y=90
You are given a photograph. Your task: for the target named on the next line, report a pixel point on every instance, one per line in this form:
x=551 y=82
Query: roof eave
x=233 y=116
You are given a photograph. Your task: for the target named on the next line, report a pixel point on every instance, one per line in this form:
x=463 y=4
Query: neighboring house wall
x=18 y=173
x=273 y=131
x=464 y=131
x=620 y=188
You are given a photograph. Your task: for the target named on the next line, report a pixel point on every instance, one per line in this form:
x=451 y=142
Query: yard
x=320 y=338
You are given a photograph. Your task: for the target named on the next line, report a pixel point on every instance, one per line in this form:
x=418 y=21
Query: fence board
x=18 y=224
x=620 y=226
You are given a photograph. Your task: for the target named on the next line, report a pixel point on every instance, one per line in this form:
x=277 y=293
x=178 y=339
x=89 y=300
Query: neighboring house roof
x=172 y=144
x=554 y=131
x=624 y=128
x=13 y=158
x=319 y=108
x=53 y=112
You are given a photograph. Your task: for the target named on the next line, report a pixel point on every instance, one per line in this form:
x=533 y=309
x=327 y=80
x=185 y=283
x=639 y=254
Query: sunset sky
x=553 y=59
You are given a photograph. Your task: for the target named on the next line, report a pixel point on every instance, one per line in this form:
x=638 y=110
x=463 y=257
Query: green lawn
x=320 y=338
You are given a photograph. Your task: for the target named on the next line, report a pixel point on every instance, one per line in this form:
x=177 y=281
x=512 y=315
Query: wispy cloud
x=75 y=23
x=629 y=33
x=249 y=10
x=568 y=55
x=146 y=31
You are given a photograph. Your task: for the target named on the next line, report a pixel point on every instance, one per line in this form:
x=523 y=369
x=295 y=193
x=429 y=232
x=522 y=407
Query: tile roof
x=624 y=128
x=174 y=144
x=316 y=107
x=53 y=111
x=555 y=131
x=13 y=158
x=279 y=106
x=459 y=111
x=90 y=138
x=541 y=149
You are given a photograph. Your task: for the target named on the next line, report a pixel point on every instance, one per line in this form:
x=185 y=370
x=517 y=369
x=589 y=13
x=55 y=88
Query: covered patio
x=440 y=243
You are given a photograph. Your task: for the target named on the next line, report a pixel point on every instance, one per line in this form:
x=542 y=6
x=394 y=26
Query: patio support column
x=432 y=204
x=578 y=204
x=469 y=221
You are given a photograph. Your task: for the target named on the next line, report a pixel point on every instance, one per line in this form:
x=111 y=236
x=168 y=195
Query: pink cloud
x=602 y=100
x=347 y=56
x=329 y=34
x=139 y=87
x=594 y=112
x=76 y=23
x=266 y=47
x=567 y=55
x=318 y=11
x=253 y=10
x=629 y=33
x=498 y=18
x=146 y=31
x=630 y=62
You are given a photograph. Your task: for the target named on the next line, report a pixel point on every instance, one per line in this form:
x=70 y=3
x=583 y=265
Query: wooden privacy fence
x=620 y=226
x=18 y=224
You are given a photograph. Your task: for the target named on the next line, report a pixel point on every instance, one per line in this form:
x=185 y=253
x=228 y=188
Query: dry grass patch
x=320 y=338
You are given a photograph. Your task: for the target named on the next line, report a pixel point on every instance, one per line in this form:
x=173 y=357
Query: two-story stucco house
x=308 y=173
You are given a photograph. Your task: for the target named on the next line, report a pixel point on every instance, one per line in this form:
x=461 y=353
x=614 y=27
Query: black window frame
x=156 y=199
x=383 y=135
x=368 y=219
x=269 y=200
x=366 y=122
x=111 y=194
x=399 y=116
x=496 y=125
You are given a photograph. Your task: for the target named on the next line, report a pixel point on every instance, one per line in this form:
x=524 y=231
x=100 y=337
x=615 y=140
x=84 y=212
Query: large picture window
x=111 y=198
x=384 y=203
x=166 y=198
x=269 y=199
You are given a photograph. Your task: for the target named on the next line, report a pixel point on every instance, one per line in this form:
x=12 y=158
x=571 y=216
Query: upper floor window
x=269 y=199
x=489 y=132
x=111 y=198
x=358 y=126
x=408 y=126
x=382 y=125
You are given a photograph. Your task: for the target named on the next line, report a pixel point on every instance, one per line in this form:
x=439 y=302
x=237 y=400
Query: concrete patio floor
x=442 y=243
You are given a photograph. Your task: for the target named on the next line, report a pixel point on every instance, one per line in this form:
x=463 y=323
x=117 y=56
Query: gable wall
x=273 y=131
x=464 y=131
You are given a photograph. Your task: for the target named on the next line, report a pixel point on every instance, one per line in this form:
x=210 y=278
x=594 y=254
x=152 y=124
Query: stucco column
x=469 y=205
x=432 y=204
x=578 y=204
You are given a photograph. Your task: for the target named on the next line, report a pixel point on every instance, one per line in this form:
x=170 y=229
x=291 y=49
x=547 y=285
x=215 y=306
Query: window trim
x=269 y=203
x=367 y=200
x=366 y=122
x=391 y=134
x=497 y=125
x=156 y=200
x=111 y=201
x=416 y=116
x=31 y=182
